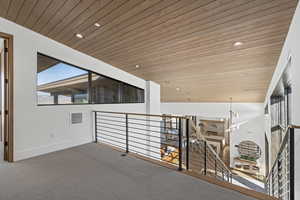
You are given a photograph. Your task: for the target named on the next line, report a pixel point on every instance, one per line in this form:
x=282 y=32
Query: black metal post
x=216 y=174
x=292 y=163
x=96 y=124
x=180 y=145
x=205 y=157
x=187 y=143
x=89 y=88
x=278 y=177
x=272 y=181
x=127 y=145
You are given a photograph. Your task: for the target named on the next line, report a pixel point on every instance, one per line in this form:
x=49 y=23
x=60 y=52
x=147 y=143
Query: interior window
x=59 y=83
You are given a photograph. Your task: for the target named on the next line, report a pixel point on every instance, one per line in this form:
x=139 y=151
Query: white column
x=152 y=98
x=153 y=107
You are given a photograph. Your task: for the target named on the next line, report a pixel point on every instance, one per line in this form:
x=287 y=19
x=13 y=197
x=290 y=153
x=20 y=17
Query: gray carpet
x=94 y=172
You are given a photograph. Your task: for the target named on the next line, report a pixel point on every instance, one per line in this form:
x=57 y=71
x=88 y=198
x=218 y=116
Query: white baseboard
x=33 y=152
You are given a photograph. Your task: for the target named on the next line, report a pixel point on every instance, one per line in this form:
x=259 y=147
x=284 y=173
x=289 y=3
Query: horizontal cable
x=130 y=145
x=147 y=145
x=110 y=117
x=110 y=120
x=116 y=129
x=105 y=138
x=112 y=124
x=150 y=135
x=150 y=120
x=113 y=136
x=110 y=132
x=98 y=131
x=153 y=157
x=137 y=128
x=129 y=123
x=157 y=142
x=162 y=127
x=148 y=130
x=101 y=137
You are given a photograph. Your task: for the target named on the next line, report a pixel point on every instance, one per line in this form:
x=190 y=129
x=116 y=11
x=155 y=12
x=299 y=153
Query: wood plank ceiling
x=187 y=46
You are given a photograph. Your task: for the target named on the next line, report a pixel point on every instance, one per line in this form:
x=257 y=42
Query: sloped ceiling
x=187 y=46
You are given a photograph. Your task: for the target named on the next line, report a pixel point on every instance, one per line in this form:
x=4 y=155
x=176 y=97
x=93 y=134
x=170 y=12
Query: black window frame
x=89 y=89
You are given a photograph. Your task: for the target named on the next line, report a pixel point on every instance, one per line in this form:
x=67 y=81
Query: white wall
x=253 y=130
x=251 y=117
x=246 y=110
x=291 y=49
x=43 y=129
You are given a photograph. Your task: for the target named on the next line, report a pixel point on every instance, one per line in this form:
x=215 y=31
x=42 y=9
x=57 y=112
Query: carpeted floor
x=94 y=172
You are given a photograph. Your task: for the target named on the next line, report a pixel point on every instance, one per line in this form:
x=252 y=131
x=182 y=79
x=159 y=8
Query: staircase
x=249 y=183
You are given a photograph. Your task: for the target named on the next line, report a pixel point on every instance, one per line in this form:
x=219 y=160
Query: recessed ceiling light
x=237 y=44
x=137 y=66
x=97 y=24
x=79 y=35
x=178 y=89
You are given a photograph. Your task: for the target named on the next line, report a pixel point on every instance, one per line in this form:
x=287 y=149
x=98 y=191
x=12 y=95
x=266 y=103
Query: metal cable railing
x=205 y=161
x=160 y=137
x=280 y=180
x=147 y=135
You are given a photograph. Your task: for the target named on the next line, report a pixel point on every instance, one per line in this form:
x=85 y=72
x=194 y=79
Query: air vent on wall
x=76 y=118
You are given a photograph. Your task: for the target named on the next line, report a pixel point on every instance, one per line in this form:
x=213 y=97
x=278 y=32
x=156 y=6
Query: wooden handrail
x=294 y=126
x=140 y=114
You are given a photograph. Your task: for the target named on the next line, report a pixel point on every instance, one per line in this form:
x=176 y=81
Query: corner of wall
x=152 y=98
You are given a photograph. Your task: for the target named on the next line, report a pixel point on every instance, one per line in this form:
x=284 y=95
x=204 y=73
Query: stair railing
x=164 y=138
x=210 y=163
x=280 y=180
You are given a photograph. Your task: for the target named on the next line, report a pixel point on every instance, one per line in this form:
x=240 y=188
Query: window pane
x=60 y=83
x=132 y=94
x=105 y=90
